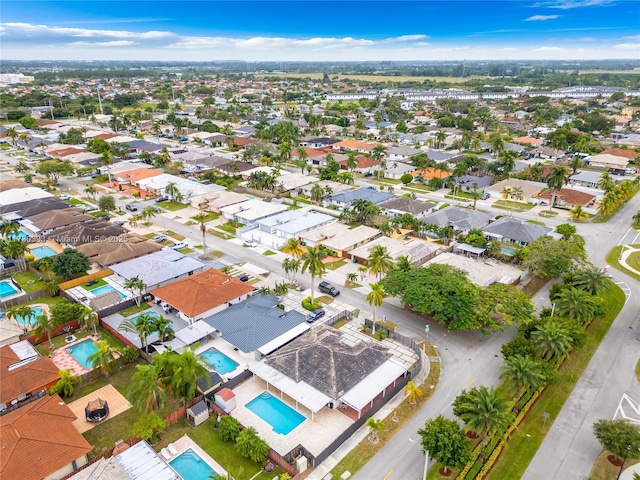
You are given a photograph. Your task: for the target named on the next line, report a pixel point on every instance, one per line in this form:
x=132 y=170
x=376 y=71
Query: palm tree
x=136 y=285
x=202 y=218
x=181 y=372
x=45 y=324
x=608 y=204
x=291 y=266
x=103 y=358
x=65 y=387
x=171 y=190
x=552 y=340
x=590 y=279
x=143 y=326
x=25 y=312
x=91 y=191
x=375 y=298
x=147 y=213
x=521 y=373
x=317 y=193
x=22 y=167
x=557 y=178
x=379 y=261
x=403 y=263
x=578 y=213
x=293 y=247
x=576 y=305
x=147 y=390
x=412 y=391
x=164 y=327
x=377 y=154
x=15 y=249
x=346 y=178
x=375 y=427
x=352 y=277
x=606 y=182
x=485 y=411
x=251 y=446
x=9 y=229
x=312 y=261
x=352 y=160
x=89 y=320
x=12 y=134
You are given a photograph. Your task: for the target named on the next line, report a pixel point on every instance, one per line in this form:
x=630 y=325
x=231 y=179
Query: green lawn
x=335 y=265
x=128 y=312
x=210 y=216
x=536 y=222
x=186 y=250
x=230 y=227
x=100 y=283
x=527 y=438
x=633 y=260
x=269 y=252
x=173 y=206
x=515 y=206
x=612 y=259
x=29 y=281
x=216 y=233
x=175 y=235
x=75 y=201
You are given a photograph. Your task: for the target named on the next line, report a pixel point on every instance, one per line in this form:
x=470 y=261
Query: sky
x=320 y=30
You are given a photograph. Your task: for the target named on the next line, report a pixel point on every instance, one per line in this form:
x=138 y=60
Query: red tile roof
x=29 y=378
x=569 y=196
x=225 y=394
x=620 y=152
x=203 y=291
x=39 y=439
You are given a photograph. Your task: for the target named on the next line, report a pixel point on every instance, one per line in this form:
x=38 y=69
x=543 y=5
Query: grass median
x=614 y=255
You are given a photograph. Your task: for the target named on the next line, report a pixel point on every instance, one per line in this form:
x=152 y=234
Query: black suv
x=326 y=287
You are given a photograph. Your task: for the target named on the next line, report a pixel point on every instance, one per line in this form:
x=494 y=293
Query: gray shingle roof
x=322 y=360
x=250 y=324
x=36 y=206
x=366 y=193
x=459 y=218
x=512 y=229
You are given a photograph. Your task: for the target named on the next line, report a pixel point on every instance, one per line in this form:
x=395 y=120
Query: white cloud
x=541 y=18
x=549 y=49
x=569 y=4
x=628 y=46
x=632 y=37
x=18 y=29
x=113 y=43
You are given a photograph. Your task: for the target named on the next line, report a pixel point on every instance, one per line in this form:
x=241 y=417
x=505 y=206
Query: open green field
x=613 y=72
x=370 y=78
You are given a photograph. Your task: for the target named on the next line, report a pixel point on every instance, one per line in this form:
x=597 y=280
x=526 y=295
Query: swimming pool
x=106 y=289
x=508 y=251
x=19 y=235
x=82 y=351
x=218 y=361
x=151 y=314
x=29 y=321
x=190 y=466
x=43 y=252
x=276 y=413
x=7 y=289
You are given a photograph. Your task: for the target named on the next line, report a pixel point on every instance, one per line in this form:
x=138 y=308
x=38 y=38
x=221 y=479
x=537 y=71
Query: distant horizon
x=321 y=31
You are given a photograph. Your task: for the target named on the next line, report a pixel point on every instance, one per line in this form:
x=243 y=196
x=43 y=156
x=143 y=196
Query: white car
x=65 y=196
x=250 y=243
x=179 y=245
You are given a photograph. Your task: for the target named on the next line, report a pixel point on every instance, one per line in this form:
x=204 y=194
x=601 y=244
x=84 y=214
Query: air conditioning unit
x=301 y=464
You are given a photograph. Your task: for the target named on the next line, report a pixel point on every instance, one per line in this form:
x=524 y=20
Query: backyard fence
x=343 y=315
x=27 y=297
x=115 y=333
x=181 y=412
x=66 y=327
x=86 y=278
x=19 y=265
x=117 y=307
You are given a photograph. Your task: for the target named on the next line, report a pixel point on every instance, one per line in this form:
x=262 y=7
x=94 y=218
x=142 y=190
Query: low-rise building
x=417 y=251
x=512 y=230
x=568 y=198
x=399 y=206
x=345 y=199
x=460 y=219
x=251 y=211
x=294 y=223
x=118 y=249
x=506 y=188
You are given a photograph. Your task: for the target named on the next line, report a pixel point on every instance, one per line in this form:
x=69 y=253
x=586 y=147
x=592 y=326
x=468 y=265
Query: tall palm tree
x=576 y=304
x=312 y=261
x=147 y=389
x=25 y=312
x=403 y=263
x=590 y=279
x=412 y=391
x=143 y=327
x=89 y=319
x=104 y=358
x=164 y=327
x=291 y=266
x=45 y=324
x=317 y=193
x=136 y=285
x=65 y=386
x=380 y=261
x=521 y=373
x=606 y=182
x=552 y=340
x=377 y=154
x=293 y=247
x=375 y=427
x=301 y=153
x=12 y=133
x=9 y=229
x=375 y=298
x=608 y=204
x=636 y=218
x=147 y=213
x=201 y=218
x=352 y=160
x=181 y=373
x=15 y=249
x=557 y=178
x=485 y=411
x=91 y=191
x=251 y=446
x=578 y=213
x=171 y=190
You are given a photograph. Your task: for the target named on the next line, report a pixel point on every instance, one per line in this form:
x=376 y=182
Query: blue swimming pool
x=106 y=289
x=82 y=351
x=276 y=413
x=19 y=235
x=43 y=252
x=29 y=321
x=218 y=361
x=190 y=466
x=7 y=289
x=508 y=251
x=151 y=314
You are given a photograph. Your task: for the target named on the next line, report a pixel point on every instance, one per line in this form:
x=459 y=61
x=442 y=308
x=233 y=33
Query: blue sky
x=320 y=30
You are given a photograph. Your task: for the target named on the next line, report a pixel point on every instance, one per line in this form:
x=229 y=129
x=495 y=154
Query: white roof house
x=294 y=180
x=293 y=223
x=251 y=211
x=188 y=188
x=417 y=251
x=19 y=195
x=214 y=201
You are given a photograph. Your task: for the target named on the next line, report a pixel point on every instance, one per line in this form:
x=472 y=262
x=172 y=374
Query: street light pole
x=426 y=464
x=624 y=459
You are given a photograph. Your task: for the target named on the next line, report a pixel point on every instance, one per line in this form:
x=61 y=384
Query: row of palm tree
x=616 y=196
x=145 y=325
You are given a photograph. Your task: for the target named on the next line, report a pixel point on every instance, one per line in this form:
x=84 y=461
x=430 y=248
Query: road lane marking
x=388 y=475
x=471 y=383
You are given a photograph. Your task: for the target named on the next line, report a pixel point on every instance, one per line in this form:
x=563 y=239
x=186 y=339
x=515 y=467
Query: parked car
x=104 y=217
x=315 y=315
x=485 y=195
x=131 y=207
x=163 y=198
x=243 y=277
x=65 y=196
x=326 y=287
x=250 y=243
x=179 y=245
x=118 y=223
x=159 y=238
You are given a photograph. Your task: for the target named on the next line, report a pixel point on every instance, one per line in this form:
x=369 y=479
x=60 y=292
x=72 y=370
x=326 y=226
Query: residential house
x=24 y=374
x=292 y=182
x=342 y=241
x=466 y=182
x=364 y=164
x=327 y=186
x=460 y=219
x=401 y=154
x=548 y=153
x=251 y=211
x=188 y=188
x=14 y=196
x=159 y=268
x=529 y=141
x=607 y=161
x=40 y=442
x=48 y=222
x=203 y=294
x=245 y=131
x=214 y=201
x=396 y=170
x=87 y=232
x=347 y=145
x=294 y=223
x=132 y=177
x=568 y=198
x=345 y=199
x=590 y=179
x=417 y=251
x=529 y=190
x=507 y=229
x=256 y=326
x=18 y=211
x=399 y=206
x=118 y=249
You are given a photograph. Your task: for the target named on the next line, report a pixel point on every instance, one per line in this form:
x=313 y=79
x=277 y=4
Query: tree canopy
x=547 y=257
x=70 y=262
x=445 y=441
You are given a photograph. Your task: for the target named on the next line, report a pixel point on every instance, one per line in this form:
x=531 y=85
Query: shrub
x=406 y=178
x=28 y=257
x=307 y=304
x=229 y=428
x=149 y=427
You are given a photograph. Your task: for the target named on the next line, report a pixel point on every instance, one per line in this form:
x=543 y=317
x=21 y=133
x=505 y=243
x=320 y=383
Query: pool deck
x=56 y=247
x=315 y=435
x=185 y=443
x=117 y=404
x=64 y=360
x=19 y=293
x=45 y=310
x=84 y=296
x=226 y=349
